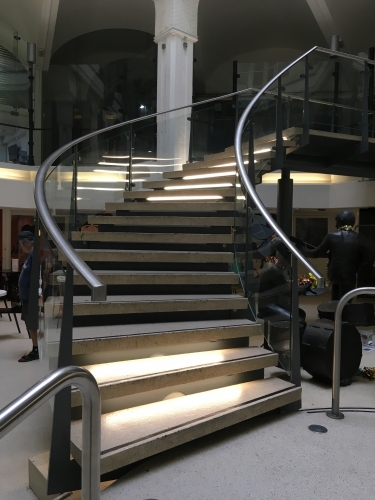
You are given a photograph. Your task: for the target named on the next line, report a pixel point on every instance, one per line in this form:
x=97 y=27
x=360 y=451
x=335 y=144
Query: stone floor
x=267 y=458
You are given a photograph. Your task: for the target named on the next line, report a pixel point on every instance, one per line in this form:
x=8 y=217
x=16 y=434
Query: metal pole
x=306 y=106
x=31 y=59
x=279 y=160
x=295 y=343
x=33 y=398
x=235 y=77
x=335 y=411
x=364 y=142
x=130 y=157
x=75 y=184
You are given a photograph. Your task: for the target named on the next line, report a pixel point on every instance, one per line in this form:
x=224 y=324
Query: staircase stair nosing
x=161 y=278
x=94 y=255
x=228 y=192
x=95 y=339
x=131 y=220
x=121 y=383
x=83 y=306
x=179 y=238
x=218 y=408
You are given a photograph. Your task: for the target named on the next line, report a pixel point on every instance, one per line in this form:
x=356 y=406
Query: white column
x=175 y=34
x=6 y=236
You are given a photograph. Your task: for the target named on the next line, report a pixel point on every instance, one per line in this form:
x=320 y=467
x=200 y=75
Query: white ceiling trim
x=323 y=17
x=47 y=29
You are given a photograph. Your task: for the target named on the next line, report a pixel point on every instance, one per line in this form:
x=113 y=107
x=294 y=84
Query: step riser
x=190 y=375
x=185 y=245
x=89 y=308
x=158 y=266
x=148 y=397
x=149 y=289
x=174 y=437
x=169 y=206
x=164 y=317
x=177 y=228
x=164 y=346
x=162 y=221
x=165 y=338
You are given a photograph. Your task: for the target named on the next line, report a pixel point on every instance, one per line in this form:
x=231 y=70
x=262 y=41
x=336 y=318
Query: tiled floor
x=274 y=457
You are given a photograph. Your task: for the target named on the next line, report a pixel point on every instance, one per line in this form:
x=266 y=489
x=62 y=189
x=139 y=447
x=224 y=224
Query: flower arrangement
x=367 y=373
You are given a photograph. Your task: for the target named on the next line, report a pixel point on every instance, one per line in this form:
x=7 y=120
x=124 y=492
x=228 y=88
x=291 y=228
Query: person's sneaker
x=32 y=356
x=345 y=382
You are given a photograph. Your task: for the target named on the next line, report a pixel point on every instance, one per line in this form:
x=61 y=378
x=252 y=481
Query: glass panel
x=14 y=97
x=53 y=287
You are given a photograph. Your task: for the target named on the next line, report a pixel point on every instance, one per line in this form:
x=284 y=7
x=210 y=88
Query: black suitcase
x=317 y=350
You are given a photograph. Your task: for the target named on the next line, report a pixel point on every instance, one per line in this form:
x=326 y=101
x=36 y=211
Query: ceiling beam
x=47 y=30
x=323 y=17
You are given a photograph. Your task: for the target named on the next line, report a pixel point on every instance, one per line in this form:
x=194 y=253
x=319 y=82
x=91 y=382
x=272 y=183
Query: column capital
x=178 y=15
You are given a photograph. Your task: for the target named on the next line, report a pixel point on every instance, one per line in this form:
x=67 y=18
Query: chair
x=8 y=310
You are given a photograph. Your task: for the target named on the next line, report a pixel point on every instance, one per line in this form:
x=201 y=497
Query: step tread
x=152 y=237
x=160 y=220
x=209 y=206
x=156 y=298
x=87 y=333
x=127 y=435
x=107 y=373
x=154 y=256
x=162 y=277
x=171 y=184
x=228 y=192
x=226 y=171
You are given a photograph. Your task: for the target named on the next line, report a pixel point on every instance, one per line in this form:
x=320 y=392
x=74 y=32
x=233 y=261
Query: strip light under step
x=199 y=186
x=184 y=198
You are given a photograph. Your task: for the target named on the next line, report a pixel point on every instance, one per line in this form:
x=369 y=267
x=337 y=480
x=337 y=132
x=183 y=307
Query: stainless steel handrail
x=27 y=403
x=335 y=410
x=251 y=189
x=98 y=288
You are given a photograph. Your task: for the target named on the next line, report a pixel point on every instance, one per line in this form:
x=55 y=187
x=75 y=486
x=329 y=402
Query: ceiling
x=227 y=29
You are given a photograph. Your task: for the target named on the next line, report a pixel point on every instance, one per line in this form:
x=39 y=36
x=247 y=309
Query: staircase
x=172 y=348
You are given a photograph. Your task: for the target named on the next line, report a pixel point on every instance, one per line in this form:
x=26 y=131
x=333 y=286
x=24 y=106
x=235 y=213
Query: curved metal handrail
x=251 y=189
x=98 y=288
x=28 y=402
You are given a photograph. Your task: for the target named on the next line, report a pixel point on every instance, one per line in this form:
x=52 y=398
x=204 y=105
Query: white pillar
x=6 y=237
x=175 y=34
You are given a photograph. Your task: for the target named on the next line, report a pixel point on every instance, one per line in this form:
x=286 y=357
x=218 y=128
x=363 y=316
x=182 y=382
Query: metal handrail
x=98 y=288
x=251 y=189
x=28 y=402
x=335 y=410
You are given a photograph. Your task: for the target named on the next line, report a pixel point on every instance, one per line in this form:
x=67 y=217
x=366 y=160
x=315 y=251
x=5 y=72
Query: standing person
x=26 y=242
x=345 y=254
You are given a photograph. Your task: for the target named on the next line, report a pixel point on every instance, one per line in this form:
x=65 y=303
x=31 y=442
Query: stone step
x=97 y=339
x=204 y=174
x=173 y=238
x=124 y=378
x=168 y=220
x=153 y=256
x=162 y=278
x=262 y=144
x=209 y=194
x=229 y=162
x=130 y=435
x=170 y=206
x=143 y=304
x=229 y=155
x=172 y=185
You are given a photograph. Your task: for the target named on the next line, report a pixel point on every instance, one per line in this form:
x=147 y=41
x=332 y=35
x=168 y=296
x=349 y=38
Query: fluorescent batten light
x=266 y=150
x=112 y=164
x=101 y=189
x=199 y=186
x=140 y=158
x=186 y=198
x=207 y=176
x=124 y=173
